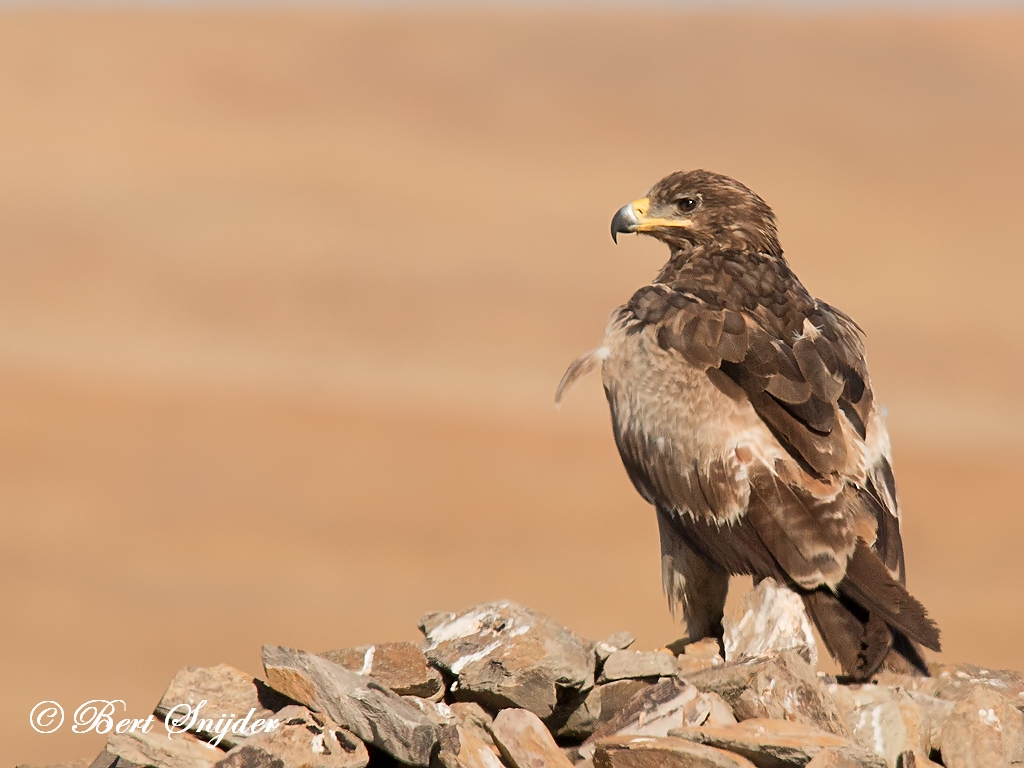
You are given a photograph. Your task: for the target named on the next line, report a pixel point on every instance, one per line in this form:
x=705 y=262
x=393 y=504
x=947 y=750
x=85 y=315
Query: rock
x=952 y=682
x=772 y=619
x=837 y=757
x=183 y=750
x=707 y=649
x=615 y=695
x=628 y=665
x=357 y=703
x=505 y=655
x=984 y=729
x=226 y=691
x=766 y=743
x=708 y=709
x=914 y=760
x=525 y=742
x=303 y=739
x=933 y=713
x=782 y=687
x=248 y=756
x=462 y=747
x=653 y=711
x=620 y=641
x=662 y=752
x=876 y=720
x=402 y=667
x=437 y=712
x=583 y=716
x=691 y=665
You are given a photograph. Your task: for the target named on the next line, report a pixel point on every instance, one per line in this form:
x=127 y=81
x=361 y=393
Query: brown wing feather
x=830 y=524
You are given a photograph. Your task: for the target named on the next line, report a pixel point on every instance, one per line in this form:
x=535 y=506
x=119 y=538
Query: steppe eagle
x=743 y=411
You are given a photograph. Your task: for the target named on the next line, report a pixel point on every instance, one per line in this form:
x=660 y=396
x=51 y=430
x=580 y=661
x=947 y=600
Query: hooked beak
x=634 y=218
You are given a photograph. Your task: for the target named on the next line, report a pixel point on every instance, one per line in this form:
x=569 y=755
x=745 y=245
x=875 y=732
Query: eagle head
x=701 y=208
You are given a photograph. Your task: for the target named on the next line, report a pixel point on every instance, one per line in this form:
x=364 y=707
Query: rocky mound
x=502 y=686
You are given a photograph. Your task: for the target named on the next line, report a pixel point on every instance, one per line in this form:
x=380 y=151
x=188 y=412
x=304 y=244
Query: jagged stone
x=226 y=691
x=876 y=719
x=984 y=729
x=249 y=756
x=304 y=739
x=629 y=665
x=651 y=712
x=437 y=712
x=583 y=718
x=952 y=682
x=357 y=703
x=525 y=742
x=662 y=752
x=915 y=760
x=707 y=709
x=183 y=750
x=617 y=694
x=782 y=686
x=707 y=649
x=839 y=757
x=933 y=712
x=462 y=747
x=619 y=641
x=505 y=655
x=692 y=665
x=771 y=619
x=473 y=718
x=766 y=743
x=402 y=667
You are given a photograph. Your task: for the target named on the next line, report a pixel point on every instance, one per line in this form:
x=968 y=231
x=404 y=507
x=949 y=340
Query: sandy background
x=284 y=298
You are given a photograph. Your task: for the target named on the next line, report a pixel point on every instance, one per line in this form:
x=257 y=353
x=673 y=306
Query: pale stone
x=934 y=713
x=707 y=649
x=619 y=641
x=357 y=703
x=652 y=712
x=766 y=742
x=525 y=742
x=771 y=619
x=984 y=729
x=837 y=757
x=462 y=747
x=505 y=655
x=623 y=665
x=782 y=686
x=662 y=752
x=304 y=739
x=617 y=694
x=875 y=719
x=402 y=667
x=954 y=681
x=155 y=749
x=226 y=691
x=707 y=709
x=691 y=665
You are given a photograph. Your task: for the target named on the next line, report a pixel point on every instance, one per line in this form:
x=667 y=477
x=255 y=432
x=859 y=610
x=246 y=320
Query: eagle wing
x=817 y=506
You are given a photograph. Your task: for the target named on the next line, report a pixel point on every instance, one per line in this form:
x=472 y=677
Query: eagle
x=743 y=412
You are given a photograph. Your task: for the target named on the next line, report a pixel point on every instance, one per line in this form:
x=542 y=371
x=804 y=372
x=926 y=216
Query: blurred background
x=285 y=293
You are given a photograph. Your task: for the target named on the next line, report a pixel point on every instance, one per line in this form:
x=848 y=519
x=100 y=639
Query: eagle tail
x=871 y=621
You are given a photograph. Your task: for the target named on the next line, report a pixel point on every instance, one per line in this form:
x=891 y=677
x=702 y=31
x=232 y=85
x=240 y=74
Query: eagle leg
x=694 y=586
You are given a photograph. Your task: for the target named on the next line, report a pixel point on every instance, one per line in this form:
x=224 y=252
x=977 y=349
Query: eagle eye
x=686 y=204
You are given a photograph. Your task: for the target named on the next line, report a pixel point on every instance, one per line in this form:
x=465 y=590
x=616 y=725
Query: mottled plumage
x=743 y=411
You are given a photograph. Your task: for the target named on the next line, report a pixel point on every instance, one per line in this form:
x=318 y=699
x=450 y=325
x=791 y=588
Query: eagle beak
x=628 y=218
x=634 y=218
